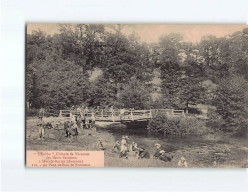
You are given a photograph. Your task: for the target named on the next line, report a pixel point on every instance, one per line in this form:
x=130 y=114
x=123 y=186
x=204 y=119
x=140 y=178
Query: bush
x=162 y=124
x=215 y=121
x=157 y=124
x=196 y=126
x=32 y=112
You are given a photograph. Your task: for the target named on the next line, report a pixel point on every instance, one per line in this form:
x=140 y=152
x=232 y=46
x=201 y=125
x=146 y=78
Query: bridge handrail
x=127 y=114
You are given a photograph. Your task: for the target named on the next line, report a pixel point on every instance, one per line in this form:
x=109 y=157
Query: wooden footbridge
x=127 y=117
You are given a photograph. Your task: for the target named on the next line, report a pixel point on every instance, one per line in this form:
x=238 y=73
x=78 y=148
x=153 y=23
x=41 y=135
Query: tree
x=82 y=44
x=192 y=89
x=102 y=93
x=231 y=102
x=59 y=84
x=37 y=49
x=239 y=53
x=169 y=62
x=135 y=95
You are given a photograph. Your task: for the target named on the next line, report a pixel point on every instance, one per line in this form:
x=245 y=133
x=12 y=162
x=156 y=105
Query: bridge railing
x=117 y=115
x=162 y=111
x=76 y=113
x=168 y=112
x=136 y=115
x=64 y=113
x=108 y=116
x=178 y=113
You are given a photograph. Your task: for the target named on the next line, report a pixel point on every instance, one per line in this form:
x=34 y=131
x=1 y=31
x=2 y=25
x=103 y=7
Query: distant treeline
x=213 y=71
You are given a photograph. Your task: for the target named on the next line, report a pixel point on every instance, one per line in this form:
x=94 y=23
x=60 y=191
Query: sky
x=151 y=32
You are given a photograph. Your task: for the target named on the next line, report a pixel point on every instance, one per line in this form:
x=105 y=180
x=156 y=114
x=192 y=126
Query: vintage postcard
x=136 y=95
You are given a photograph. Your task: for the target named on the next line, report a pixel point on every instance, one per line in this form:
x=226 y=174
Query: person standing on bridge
x=111 y=110
x=122 y=112
x=97 y=110
x=78 y=110
x=82 y=109
x=86 y=110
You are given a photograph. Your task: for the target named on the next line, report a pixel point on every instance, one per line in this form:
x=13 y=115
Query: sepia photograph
x=136 y=95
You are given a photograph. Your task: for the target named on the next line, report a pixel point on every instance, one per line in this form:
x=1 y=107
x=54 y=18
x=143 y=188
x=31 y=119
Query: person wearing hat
x=134 y=149
x=116 y=146
x=164 y=157
x=158 y=149
x=182 y=162
x=86 y=110
x=124 y=147
x=100 y=145
x=66 y=128
x=143 y=153
x=41 y=130
x=74 y=127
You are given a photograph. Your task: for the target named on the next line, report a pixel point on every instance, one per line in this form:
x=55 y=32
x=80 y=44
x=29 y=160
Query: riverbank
x=199 y=151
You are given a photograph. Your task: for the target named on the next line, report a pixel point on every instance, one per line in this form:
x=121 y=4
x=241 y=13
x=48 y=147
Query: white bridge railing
x=124 y=115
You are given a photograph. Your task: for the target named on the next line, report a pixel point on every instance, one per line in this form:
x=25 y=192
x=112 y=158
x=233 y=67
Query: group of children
x=161 y=155
x=125 y=149
x=71 y=125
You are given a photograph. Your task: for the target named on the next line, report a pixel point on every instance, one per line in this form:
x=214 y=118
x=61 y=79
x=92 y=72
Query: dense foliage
x=165 y=125
x=60 y=68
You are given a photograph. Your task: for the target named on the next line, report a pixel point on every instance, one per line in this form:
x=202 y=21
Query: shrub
x=157 y=124
x=196 y=126
x=215 y=121
x=32 y=112
x=162 y=124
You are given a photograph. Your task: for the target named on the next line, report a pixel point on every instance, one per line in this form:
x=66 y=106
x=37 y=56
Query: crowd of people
x=125 y=150
x=71 y=124
x=123 y=147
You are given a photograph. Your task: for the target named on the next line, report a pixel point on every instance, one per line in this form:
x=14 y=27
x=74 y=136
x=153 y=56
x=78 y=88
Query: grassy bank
x=199 y=151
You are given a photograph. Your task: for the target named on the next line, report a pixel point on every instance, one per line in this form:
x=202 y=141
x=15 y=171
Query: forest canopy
x=60 y=68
